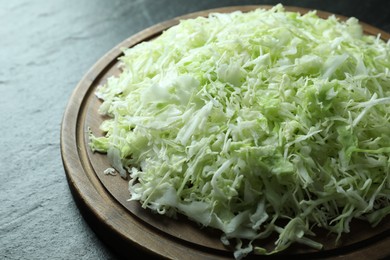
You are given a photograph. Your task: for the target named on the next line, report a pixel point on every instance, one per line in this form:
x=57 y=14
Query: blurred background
x=45 y=49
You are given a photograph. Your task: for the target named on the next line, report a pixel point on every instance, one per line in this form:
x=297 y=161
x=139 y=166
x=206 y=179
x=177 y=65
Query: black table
x=45 y=48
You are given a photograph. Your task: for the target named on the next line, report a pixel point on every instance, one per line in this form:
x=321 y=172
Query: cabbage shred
x=245 y=121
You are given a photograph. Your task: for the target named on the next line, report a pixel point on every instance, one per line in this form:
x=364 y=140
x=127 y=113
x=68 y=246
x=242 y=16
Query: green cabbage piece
x=245 y=121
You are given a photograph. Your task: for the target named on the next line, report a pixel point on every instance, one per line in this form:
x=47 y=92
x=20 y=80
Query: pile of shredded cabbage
x=259 y=123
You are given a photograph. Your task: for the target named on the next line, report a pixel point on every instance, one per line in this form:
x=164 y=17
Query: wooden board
x=129 y=229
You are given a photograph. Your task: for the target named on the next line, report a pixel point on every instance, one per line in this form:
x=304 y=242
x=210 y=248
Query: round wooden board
x=125 y=226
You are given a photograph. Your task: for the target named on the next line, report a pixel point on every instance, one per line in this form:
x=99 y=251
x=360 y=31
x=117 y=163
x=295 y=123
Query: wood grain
x=128 y=228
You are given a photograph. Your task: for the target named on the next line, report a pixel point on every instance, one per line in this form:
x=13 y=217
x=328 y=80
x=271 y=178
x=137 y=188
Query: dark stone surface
x=45 y=48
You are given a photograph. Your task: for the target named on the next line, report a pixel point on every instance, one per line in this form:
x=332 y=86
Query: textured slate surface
x=45 y=48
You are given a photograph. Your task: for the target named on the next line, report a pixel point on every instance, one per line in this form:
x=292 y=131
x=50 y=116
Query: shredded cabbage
x=258 y=123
